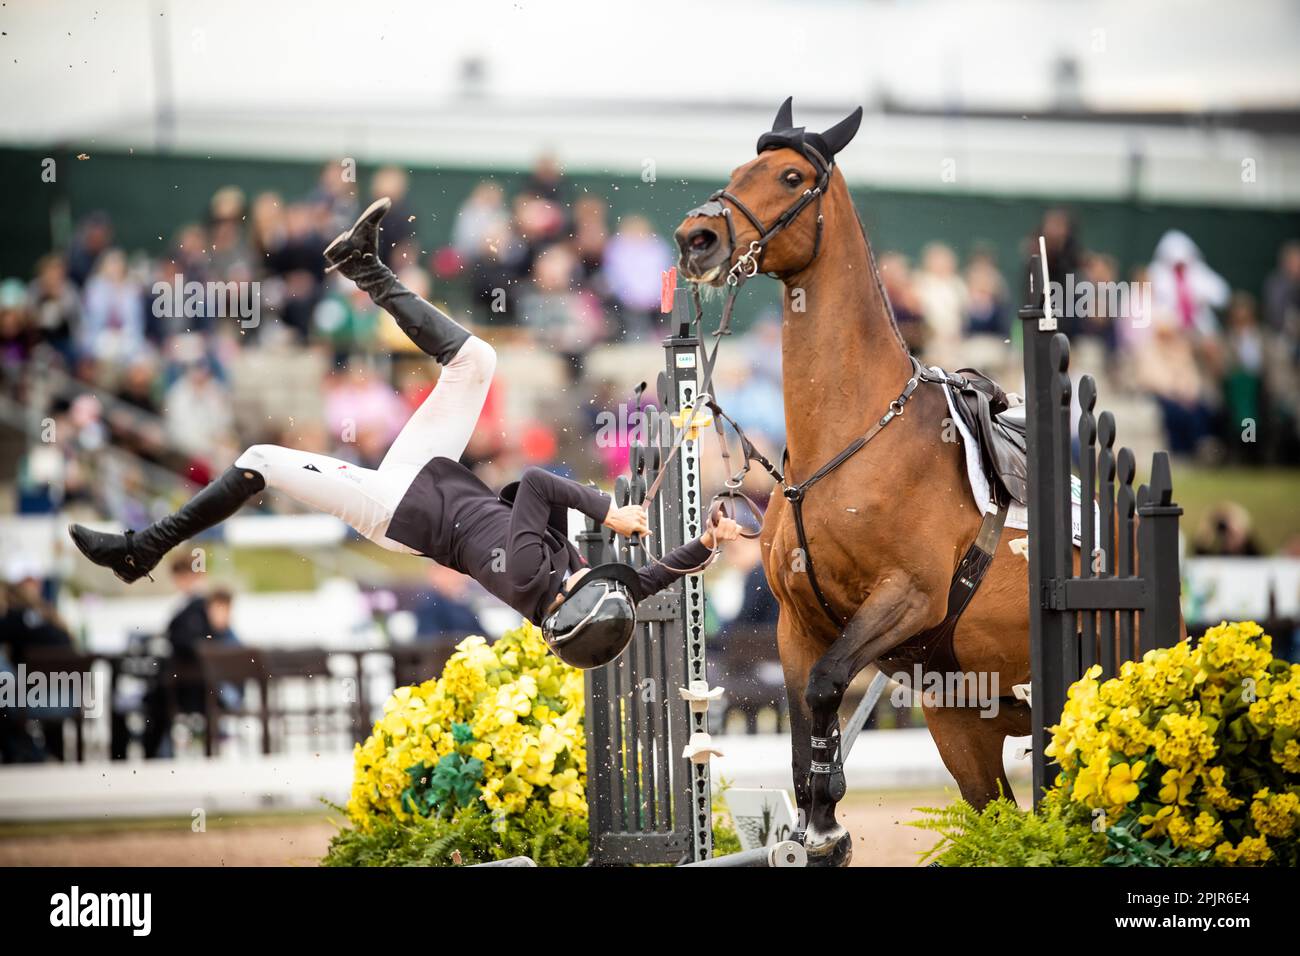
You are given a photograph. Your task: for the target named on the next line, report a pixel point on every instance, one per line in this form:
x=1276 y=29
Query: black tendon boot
x=355 y=253
x=133 y=555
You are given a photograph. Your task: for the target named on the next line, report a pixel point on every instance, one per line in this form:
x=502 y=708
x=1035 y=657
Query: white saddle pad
x=1017 y=514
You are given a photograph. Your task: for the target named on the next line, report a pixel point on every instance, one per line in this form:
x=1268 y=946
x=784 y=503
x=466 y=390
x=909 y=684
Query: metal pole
x=788 y=853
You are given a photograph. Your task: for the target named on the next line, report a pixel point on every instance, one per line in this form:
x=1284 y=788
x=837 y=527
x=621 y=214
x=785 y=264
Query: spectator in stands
x=755 y=402
x=590 y=235
x=1183 y=285
x=1094 y=317
x=1226 y=531
x=546 y=179
x=1166 y=368
x=93 y=237
x=564 y=318
x=18 y=333
x=482 y=217
x=333 y=202
x=362 y=412
x=28 y=622
x=1243 y=377
x=198 y=414
x=188 y=261
x=896 y=276
x=16 y=744
x=988 y=311
x=942 y=295
x=634 y=259
x=445 y=607
x=502 y=261
x=230 y=256
x=113 y=318
x=1282 y=293
x=763 y=344
x=1060 y=235
x=200 y=618
x=758 y=607
x=56 y=305
x=135 y=424
x=400 y=246
x=1133 y=326
x=538 y=221
x=348 y=321
x=296 y=261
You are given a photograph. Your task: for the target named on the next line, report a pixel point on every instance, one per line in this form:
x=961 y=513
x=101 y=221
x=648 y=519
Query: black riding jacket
x=514 y=543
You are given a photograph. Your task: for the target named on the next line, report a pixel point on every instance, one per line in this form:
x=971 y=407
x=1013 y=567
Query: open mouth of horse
x=711 y=277
x=704 y=256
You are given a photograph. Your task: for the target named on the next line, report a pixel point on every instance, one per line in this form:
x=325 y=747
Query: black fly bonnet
x=819 y=149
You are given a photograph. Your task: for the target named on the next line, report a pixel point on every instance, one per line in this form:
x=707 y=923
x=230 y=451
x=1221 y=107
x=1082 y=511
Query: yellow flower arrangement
x=501 y=728
x=1194 y=750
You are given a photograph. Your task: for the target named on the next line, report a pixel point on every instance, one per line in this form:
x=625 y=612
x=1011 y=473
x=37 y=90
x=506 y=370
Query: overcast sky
x=72 y=67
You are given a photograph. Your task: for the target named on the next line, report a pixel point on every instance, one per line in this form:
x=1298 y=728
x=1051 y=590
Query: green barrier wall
x=150 y=195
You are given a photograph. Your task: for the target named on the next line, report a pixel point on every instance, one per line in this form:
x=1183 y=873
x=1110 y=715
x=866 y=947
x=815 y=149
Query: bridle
x=747 y=265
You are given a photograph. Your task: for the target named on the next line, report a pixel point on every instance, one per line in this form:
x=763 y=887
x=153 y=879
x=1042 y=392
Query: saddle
x=998 y=428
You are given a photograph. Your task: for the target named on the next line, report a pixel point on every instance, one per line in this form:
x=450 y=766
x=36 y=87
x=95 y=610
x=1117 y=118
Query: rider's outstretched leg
x=355 y=253
x=134 y=554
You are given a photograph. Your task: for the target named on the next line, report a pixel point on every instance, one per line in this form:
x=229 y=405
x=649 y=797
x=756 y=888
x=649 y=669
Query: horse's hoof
x=834 y=848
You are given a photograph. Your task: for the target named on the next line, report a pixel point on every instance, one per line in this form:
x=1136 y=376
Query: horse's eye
x=792 y=178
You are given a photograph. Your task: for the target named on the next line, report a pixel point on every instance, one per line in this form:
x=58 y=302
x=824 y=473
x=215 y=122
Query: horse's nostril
x=701 y=240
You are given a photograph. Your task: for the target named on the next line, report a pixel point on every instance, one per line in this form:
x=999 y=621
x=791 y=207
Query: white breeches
x=366 y=498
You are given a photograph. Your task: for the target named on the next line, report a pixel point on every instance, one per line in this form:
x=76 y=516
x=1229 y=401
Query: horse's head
x=769 y=216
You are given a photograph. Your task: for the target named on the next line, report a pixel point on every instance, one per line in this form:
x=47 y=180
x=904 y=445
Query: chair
x=743 y=660
x=235 y=664
x=309 y=667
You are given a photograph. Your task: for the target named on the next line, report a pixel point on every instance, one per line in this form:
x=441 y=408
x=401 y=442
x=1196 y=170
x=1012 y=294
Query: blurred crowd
x=125 y=362
x=146 y=383
x=1222 y=364
x=150 y=372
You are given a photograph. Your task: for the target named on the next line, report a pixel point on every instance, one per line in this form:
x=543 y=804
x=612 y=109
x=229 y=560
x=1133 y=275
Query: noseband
x=747 y=265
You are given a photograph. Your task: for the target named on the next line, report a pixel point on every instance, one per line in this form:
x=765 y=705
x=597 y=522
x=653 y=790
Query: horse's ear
x=784 y=116
x=839 y=135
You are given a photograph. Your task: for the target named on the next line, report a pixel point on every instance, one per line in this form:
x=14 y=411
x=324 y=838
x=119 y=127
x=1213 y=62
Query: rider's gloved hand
x=723 y=529
x=628 y=520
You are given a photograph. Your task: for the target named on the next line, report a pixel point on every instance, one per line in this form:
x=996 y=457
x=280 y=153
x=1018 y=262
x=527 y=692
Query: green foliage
x=725 y=840
x=551 y=837
x=1004 y=835
x=441 y=790
x=1131 y=849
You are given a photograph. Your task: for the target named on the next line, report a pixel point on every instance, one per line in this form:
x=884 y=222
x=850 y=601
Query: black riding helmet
x=597 y=618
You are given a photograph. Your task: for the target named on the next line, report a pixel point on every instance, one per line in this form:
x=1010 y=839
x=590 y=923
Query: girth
x=933 y=648
x=934 y=644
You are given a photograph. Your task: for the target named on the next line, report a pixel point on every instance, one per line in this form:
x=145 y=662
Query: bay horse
x=884 y=529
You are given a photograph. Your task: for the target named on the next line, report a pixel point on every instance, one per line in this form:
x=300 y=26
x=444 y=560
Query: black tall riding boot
x=133 y=555
x=355 y=253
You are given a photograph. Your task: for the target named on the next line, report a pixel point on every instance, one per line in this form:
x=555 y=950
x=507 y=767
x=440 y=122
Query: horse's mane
x=875 y=271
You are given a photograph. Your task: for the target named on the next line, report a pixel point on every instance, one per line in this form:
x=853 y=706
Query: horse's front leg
x=894 y=612
x=798 y=654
